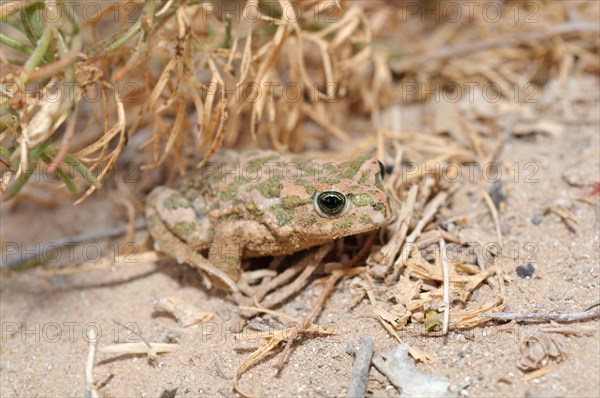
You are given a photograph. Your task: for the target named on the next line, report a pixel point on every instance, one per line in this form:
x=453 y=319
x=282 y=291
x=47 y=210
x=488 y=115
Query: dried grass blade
x=118 y=128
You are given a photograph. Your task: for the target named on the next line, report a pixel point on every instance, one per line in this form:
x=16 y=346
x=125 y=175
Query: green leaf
x=227 y=41
x=81 y=169
x=38 y=54
x=5 y=152
x=75 y=164
x=64 y=177
x=29 y=16
x=17 y=45
x=33 y=156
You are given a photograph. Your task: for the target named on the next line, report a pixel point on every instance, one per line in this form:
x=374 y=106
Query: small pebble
x=564 y=202
x=350 y=349
x=58 y=280
x=537 y=219
x=169 y=393
x=526 y=271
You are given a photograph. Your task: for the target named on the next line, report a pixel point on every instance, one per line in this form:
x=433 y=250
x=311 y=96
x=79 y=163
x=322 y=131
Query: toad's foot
x=301 y=271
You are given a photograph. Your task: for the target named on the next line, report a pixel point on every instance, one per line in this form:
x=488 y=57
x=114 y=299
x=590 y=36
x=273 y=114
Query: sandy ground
x=45 y=315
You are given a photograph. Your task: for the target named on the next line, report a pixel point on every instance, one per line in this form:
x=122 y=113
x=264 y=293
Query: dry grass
x=194 y=75
x=175 y=58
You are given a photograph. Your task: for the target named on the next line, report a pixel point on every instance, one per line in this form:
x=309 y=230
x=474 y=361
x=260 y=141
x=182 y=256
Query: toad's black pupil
x=331 y=202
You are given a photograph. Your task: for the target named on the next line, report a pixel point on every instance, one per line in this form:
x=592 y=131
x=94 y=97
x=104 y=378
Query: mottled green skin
x=259 y=203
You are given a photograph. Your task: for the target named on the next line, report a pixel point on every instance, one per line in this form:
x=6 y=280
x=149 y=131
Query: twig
x=428 y=213
x=132 y=330
x=464 y=49
x=298 y=283
x=90 y=390
x=138 y=348
x=446 y=286
x=382 y=260
x=414 y=352
x=278 y=280
x=335 y=276
x=360 y=370
x=538 y=373
x=308 y=264
x=533 y=317
x=47 y=249
x=493 y=212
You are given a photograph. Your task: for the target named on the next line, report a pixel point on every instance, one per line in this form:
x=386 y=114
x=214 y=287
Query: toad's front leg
x=180 y=233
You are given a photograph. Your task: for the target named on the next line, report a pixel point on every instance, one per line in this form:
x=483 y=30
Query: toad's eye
x=331 y=203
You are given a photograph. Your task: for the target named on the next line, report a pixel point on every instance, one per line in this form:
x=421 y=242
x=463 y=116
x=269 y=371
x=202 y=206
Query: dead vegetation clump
x=185 y=74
